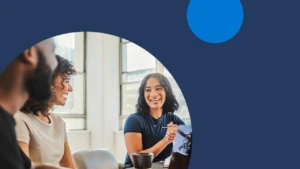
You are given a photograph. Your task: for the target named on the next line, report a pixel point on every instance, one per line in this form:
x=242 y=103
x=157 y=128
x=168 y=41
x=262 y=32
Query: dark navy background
x=243 y=95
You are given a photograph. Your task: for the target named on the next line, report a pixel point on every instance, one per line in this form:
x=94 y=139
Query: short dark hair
x=64 y=69
x=170 y=104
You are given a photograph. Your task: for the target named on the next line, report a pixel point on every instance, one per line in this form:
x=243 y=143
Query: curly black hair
x=170 y=104
x=64 y=69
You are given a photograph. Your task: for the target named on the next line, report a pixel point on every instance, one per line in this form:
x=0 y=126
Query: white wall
x=95 y=88
x=78 y=140
x=103 y=97
x=120 y=149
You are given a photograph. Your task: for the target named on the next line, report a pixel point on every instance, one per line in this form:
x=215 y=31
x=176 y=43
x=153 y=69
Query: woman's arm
x=67 y=160
x=24 y=147
x=133 y=142
x=22 y=134
x=33 y=166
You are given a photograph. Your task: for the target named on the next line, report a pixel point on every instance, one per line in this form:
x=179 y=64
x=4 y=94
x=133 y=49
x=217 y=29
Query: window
x=183 y=111
x=136 y=63
x=71 y=47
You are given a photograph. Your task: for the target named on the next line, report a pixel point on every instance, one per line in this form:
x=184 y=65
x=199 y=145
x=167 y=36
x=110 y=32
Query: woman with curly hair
x=154 y=126
x=42 y=134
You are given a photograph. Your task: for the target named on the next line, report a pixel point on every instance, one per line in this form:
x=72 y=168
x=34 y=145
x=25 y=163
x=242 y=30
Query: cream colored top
x=46 y=140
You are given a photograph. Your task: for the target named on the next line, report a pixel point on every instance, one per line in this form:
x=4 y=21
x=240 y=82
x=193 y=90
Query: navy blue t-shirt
x=145 y=124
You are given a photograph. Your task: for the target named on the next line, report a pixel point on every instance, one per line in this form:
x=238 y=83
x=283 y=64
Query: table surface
x=156 y=165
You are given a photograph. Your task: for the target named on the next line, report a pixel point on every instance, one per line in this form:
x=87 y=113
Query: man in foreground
x=29 y=75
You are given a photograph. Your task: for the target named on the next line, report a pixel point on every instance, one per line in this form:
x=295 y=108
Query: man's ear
x=30 y=56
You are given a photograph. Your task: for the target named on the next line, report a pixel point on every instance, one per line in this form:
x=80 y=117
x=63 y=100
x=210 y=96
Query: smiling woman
x=154 y=125
x=42 y=134
x=61 y=81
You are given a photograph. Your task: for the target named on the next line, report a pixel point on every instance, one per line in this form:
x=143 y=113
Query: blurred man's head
x=38 y=81
x=29 y=75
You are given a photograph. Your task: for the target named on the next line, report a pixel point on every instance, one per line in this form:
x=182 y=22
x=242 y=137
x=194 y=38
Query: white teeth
x=154 y=100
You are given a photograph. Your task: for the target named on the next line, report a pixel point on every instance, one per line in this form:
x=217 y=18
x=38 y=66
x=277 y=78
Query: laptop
x=181 y=149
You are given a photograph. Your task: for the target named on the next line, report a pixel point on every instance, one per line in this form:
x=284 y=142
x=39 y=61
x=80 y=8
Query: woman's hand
x=171 y=132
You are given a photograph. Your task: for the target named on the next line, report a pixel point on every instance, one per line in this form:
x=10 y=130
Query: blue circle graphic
x=215 y=21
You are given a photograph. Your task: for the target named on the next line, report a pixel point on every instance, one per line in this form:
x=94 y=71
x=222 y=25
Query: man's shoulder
x=6 y=118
